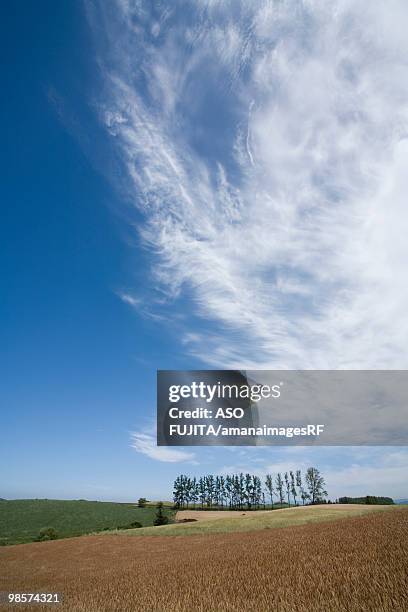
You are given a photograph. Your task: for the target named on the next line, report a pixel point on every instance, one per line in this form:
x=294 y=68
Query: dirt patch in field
x=354 y=564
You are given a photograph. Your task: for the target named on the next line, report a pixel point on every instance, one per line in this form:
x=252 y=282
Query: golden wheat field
x=353 y=564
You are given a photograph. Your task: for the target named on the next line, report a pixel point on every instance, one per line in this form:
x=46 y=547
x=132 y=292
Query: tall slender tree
x=248 y=490
x=293 y=486
x=287 y=487
x=202 y=493
x=269 y=487
x=229 y=490
x=210 y=484
x=258 y=491
x=194 y=493
x=315 y=484
x=279 y=487
x=240 y=484
x=299 y=482
x=222 y=491
x=177 y=492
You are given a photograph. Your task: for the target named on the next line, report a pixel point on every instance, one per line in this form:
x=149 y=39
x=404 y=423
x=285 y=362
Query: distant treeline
x=368 y=499
x=239 y=491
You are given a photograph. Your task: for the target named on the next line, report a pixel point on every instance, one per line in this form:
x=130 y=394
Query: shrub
x=47 y=533
x=134 y=525
x=160 y=519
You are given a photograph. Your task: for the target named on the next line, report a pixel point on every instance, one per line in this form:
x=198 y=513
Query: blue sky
x=186 y=185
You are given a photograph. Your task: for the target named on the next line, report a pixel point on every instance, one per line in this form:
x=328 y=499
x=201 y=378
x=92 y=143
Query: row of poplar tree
x=239 y=491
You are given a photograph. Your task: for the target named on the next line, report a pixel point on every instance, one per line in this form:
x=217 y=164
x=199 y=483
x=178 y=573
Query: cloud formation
x=348 y=471
x=266 y=145
x=146 y=444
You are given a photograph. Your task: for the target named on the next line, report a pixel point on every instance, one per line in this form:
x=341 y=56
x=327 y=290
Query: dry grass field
x=208 y=522
x=261 y=519
x=356 y=564
x=335 y=510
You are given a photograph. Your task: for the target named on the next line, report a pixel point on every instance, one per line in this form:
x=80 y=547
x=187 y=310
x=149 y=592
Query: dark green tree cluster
x=368 y=499
x=246 y=491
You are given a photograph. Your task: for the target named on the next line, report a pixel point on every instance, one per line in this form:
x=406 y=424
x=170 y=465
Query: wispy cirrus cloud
x=130 y=299
x=145 y=443
x=266 y=144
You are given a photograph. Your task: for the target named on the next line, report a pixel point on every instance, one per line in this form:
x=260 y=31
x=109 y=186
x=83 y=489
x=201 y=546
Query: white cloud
x=289 y=233
x=371 y=471
x=130 y=299
x=294 y=241
x=348 y=471
x=146 y=444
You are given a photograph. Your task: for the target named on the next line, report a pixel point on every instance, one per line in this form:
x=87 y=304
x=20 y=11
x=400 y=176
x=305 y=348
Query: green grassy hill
x=22 y=519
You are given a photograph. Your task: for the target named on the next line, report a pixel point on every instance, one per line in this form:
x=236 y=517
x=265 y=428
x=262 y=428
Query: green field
x=22 y=519
x=262 y=520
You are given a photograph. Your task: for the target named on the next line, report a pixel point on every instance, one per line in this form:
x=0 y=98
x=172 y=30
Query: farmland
x=206 y=522
x=22 y=519
x=356 y=564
